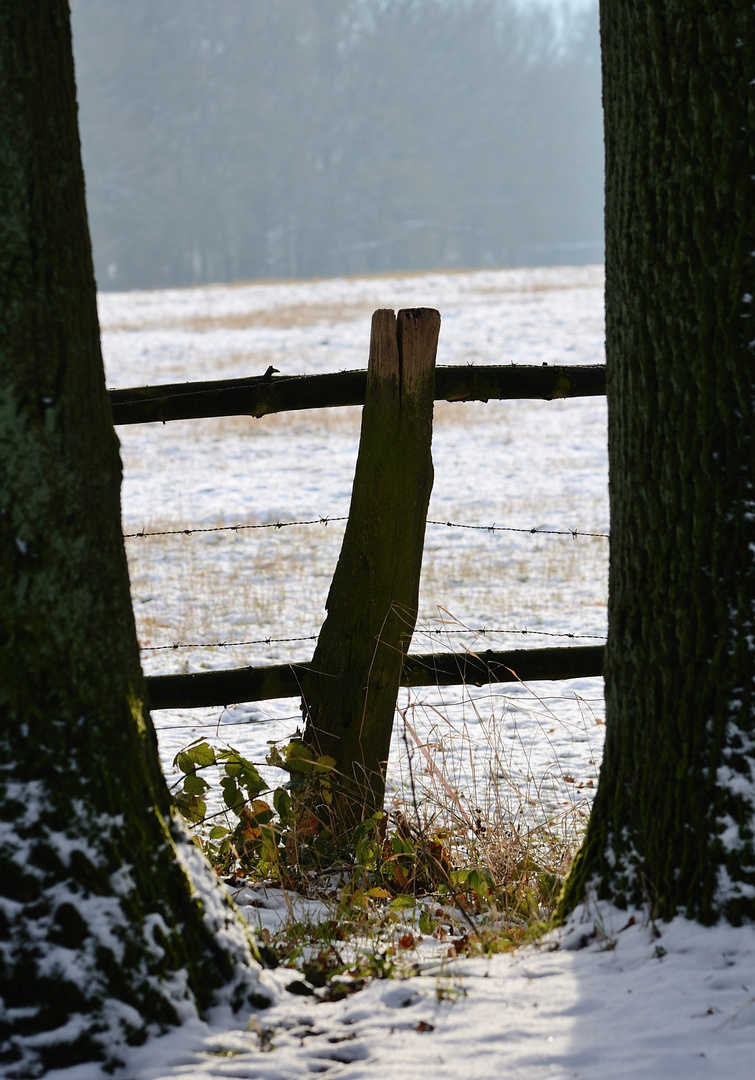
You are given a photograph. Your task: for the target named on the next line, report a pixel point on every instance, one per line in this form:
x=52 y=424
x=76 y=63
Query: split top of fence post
x=372 y=603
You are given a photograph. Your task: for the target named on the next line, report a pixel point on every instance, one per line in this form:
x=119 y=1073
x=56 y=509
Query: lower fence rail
x=236 y=685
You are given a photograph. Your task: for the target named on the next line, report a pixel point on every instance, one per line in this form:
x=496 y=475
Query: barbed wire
x=225 y=644
x=231 y=528
x=481 y=631
x=531 y=530
x=534 y=530
x=219 y=724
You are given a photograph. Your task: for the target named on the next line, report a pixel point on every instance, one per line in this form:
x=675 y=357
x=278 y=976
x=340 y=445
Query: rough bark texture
x=111 y=925
x=372 y=603
x=674 y=815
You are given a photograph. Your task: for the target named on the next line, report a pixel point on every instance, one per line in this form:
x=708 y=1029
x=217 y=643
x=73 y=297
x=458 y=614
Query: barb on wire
x=532 y=530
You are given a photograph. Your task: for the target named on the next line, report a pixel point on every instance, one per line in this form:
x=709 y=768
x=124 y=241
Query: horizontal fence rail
x=211 y=688
x=268 y=393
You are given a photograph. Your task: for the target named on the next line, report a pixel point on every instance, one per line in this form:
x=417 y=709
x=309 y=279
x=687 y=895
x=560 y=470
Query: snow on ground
x=630 y=1002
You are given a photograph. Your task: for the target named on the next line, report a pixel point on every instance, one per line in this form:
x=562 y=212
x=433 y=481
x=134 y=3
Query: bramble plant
x=286 y=835
x=473 y=883
x=267 y=841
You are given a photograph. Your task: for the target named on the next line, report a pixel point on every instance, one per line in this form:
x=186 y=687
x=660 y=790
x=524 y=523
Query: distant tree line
x=237 y=139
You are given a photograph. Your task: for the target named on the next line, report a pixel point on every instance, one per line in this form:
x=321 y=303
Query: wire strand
x=531 y=530
x=481 y=631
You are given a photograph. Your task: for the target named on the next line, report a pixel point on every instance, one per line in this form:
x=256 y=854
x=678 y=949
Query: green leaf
x=191 y=808
x=251 y=780
x=202 y=754
x=269 y=844
x=325 y=763
x=260 y=813
x=195 y=785
x=282 y=803
x=232 y=797
x=402 y=846
x=217 y=832
x=366 y=853
x=243 y=771
x=233 y=767
x=527 y=865
x=184 y=762
x=427 y=923
x=298 y=757
x=479 y=881
x=401 y=903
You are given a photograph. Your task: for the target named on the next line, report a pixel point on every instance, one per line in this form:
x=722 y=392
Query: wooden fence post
x=373 y=598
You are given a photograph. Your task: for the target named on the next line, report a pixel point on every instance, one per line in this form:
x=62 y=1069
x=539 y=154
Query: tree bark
x=674 y=816
x=372 y=603
x=111 y=924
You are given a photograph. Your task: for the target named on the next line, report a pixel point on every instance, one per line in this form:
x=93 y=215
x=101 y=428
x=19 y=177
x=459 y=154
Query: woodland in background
x=237 y=139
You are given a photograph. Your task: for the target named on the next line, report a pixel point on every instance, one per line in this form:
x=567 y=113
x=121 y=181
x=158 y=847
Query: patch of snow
x=632 y=1001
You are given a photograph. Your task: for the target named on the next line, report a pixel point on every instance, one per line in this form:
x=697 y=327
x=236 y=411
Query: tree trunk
x=111 y=924
x=674 y=815
x=372 y=603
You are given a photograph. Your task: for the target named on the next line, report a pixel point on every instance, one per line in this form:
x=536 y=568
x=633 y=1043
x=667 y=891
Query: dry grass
x=474 y=784
x=344 y=420
x=524 y=288
x=317 y=423
x=283 y=317
x=230 y=587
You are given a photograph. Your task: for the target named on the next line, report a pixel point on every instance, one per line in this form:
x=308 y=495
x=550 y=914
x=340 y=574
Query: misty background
x=231 y=140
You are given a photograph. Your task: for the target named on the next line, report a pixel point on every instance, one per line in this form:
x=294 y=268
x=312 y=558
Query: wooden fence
x=270 y=393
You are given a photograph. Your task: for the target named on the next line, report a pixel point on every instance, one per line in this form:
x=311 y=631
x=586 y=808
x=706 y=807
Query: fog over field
x=237 y=139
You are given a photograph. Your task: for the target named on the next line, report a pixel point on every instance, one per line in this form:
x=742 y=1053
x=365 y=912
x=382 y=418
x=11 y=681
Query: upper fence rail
x=265 y=394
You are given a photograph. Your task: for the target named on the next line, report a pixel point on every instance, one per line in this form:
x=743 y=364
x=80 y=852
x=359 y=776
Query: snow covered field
x=612 y=995
x=516 y=464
